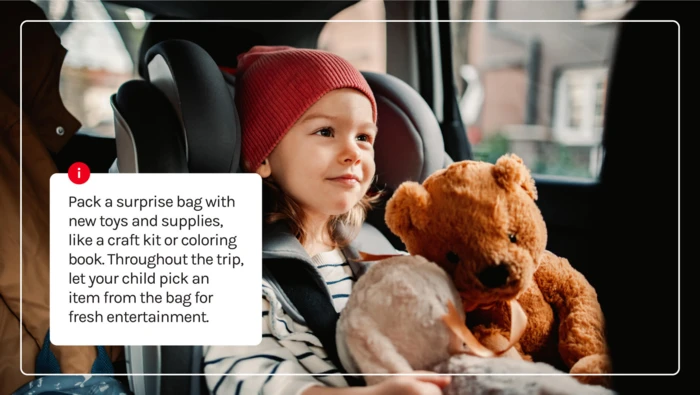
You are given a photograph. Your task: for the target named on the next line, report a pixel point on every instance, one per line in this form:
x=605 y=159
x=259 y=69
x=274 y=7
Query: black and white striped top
x=286 y=347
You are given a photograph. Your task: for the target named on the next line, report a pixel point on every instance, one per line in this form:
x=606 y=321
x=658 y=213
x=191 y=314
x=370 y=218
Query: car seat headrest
x=409 y=145
x=203 y=103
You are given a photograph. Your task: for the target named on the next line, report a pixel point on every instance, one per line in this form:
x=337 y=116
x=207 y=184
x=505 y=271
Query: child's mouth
x=347 y=181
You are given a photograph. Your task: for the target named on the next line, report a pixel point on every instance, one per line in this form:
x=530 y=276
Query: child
x=308 y=122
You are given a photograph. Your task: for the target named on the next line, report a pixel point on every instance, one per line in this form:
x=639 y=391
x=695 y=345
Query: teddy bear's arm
x=581 y=328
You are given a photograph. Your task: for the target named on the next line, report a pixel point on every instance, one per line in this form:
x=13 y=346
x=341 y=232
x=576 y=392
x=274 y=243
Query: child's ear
x=264 y=170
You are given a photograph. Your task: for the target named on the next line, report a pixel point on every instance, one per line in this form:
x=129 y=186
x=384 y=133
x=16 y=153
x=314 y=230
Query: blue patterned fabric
x=74 y=385
x=46 y=363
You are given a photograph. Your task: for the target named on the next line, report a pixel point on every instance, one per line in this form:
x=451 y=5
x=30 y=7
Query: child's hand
x=429 y=384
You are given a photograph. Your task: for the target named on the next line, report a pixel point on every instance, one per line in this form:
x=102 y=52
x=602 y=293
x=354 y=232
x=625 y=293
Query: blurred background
x=534 y=88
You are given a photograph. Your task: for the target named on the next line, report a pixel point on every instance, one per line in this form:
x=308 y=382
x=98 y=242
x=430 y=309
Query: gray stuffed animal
x=508 y=376
x=395 y=322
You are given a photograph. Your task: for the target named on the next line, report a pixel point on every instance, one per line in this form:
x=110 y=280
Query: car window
x=101 y=56
x=362 y=43
x=536 y=88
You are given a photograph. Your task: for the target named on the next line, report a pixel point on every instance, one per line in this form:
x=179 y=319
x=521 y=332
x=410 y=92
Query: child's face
x=326 y=160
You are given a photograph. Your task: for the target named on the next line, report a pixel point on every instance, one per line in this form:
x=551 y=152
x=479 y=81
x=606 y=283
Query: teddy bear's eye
x=452 y=257
x=513 y=238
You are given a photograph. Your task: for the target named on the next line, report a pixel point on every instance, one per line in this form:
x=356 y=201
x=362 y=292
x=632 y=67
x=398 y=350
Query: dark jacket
x=42 y=114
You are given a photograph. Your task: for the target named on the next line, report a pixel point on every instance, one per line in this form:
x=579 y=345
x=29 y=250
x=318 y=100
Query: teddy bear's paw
x=597 y=364
x=524 y=356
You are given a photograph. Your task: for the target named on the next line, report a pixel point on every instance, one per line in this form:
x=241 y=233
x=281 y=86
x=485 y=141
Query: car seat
x=179 y=118
x=409 y=144
x=179 y=131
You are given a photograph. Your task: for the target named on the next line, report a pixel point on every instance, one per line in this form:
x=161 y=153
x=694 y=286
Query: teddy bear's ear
x=406 y=211
x=510 y=171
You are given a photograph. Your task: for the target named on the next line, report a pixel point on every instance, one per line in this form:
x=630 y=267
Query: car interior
x=179 y=116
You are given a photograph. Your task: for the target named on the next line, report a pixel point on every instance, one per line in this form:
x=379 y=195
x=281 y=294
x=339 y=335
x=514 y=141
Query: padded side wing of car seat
x=147 y=131
x=409 y=145
x=193 y=83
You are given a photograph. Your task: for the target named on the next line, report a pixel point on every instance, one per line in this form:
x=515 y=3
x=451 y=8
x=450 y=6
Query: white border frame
x=355 y=21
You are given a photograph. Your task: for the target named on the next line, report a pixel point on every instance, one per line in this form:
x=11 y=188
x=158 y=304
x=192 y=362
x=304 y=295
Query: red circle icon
x=78 y=172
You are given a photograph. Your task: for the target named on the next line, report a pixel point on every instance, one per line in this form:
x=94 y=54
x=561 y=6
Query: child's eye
x=325 y=132
x=365 y=137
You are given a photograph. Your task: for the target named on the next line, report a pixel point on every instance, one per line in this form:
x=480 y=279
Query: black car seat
x=181 y=129
x=179 y=118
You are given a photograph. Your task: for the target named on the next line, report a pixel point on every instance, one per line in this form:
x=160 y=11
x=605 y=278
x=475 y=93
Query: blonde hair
x=278 y=206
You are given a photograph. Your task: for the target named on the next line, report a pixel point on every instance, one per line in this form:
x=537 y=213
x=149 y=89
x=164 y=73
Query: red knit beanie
x=275 y=85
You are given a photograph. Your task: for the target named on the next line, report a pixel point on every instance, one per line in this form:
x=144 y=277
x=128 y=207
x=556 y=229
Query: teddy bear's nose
x=494 y=276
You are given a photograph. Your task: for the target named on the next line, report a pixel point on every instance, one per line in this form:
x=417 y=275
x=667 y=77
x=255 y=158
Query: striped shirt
x=286 y=347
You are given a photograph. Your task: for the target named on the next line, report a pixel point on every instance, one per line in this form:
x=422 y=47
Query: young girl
x=308 y=122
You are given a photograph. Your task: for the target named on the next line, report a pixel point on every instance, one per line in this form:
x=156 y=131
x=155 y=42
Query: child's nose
x=351 y=153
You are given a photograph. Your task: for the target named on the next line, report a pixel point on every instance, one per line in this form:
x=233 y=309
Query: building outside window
x=536 y=89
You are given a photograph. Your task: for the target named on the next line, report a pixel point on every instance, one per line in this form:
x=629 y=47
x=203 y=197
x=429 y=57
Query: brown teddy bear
x=479 y=222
